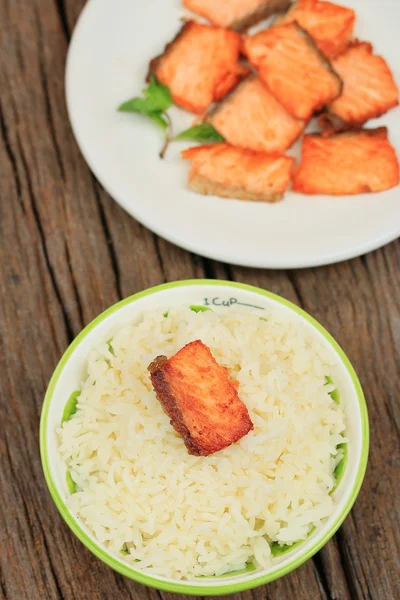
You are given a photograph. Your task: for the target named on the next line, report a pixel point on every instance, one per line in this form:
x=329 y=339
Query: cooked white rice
x=182 y=516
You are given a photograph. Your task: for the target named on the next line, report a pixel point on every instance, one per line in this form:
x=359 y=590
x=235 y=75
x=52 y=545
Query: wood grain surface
x=67 y=252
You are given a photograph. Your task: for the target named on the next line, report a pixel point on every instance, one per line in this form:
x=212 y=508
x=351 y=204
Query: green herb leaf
x=201 y=133
x=158 y=119
x=158 y=95
x=157 y=98
x=139 y=105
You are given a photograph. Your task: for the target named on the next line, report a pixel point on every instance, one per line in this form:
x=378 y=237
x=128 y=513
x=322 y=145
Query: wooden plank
x=67 y=252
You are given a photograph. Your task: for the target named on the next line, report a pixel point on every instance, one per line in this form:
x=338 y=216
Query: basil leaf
x=139 y=105
x=204 y=132
x=158 y=95
x=157 y=117
x=157 y=98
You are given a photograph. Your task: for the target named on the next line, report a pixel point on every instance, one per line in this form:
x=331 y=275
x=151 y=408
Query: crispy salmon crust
x=251 y=117
x=236 y=14
x=201 y=401
x=353 y=162
x=331 y=25
x=200 y=66
x=229 y=172
x=369 y=89
x=294 y=70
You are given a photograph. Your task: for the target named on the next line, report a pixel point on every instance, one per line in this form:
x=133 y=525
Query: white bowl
x=220 y=296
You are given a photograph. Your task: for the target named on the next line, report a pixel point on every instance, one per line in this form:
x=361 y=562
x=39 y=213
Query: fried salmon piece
x=200 y=66
x=198 y=396
x=251 y=117
x=331 y=25
x=352 y=162
x=236 y=14
x=229 y=172
x=293 y=68
x=369 y=88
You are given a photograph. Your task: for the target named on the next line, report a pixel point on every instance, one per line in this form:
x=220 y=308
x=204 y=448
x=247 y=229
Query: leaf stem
x=168 y=136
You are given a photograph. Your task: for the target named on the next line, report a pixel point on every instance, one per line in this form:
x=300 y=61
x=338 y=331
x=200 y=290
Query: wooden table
x=67 y=253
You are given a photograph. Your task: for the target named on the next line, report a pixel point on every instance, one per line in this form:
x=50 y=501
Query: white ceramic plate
x=107 y=64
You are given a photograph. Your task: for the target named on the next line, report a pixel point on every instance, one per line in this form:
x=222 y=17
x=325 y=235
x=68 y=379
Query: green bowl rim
x=191 y=587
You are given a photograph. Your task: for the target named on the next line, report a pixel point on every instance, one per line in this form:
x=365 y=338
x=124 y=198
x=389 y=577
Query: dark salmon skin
x=200 y=66
x=369 y=88
x=331 y=25
x=198 y=396
x=293 y=68
x=251 y=117
x=236 y=14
